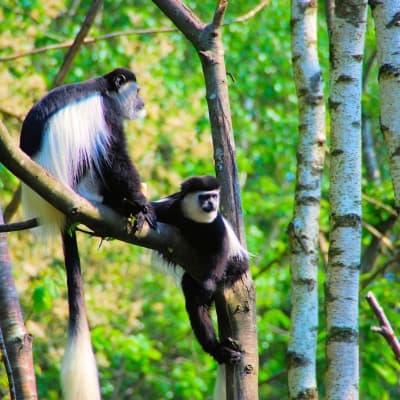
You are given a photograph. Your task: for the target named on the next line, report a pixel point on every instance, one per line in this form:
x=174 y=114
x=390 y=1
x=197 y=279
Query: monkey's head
x=123 y=87
x=200 y=199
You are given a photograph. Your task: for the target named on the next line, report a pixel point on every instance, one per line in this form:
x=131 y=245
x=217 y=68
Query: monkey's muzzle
x=208 y=206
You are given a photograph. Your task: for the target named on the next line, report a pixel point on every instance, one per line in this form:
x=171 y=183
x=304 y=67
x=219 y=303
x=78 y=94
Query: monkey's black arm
x=198 y=302
x=124 y=192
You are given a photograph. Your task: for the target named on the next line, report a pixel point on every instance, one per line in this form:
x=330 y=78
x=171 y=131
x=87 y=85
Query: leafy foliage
x=140 y=330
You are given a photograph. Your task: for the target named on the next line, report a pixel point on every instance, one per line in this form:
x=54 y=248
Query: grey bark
x=304 y=228
x=342 y=278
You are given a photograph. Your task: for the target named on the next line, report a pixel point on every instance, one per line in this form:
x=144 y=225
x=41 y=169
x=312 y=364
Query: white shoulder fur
x=66 y=136
x=235 y=248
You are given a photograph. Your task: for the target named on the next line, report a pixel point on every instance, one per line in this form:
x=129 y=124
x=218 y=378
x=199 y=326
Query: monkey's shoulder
x=63 y=96
x=167 y=209
x=70 y=97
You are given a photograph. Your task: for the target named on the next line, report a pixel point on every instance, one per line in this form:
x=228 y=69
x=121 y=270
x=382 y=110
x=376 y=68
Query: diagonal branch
x=77 y=43
x=379 y=271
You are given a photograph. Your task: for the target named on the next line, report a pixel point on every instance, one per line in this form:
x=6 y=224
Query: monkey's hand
x=143 y=212
x=228 y=352
x=146 y=214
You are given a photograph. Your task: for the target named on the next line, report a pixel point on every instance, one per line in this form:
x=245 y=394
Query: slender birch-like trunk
x=304 y=228
x=387 y=25
x=342 y=280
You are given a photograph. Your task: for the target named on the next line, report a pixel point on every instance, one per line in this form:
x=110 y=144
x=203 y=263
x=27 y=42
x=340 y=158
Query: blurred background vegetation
x=141 y=334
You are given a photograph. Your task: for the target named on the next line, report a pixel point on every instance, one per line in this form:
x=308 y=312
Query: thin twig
x=379 y=204
x=266 y=268
x=385 y=329
x=19 y=226
x=9 y=113
x=382 y=238
x=88 y=41
x=129 y=32
x=380 y=271
x=250 y=14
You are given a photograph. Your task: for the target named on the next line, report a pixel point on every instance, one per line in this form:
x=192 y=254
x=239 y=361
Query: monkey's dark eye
x=119 y=81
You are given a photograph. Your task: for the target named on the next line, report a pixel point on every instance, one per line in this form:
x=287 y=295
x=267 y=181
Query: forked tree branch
x=384 y=328
x=220 y=12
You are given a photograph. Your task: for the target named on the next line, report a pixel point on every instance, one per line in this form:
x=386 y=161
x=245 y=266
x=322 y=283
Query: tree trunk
x=235 y=305
x=304 y=228
x=17 y=343
x=387 y=18
x=342 y=280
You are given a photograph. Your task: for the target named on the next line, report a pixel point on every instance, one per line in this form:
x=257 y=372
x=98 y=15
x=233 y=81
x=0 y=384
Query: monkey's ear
x=119 y=81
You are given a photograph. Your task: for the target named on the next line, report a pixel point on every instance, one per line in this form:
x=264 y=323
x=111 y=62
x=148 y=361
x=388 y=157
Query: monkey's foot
x=141 y=224
x=228 y=352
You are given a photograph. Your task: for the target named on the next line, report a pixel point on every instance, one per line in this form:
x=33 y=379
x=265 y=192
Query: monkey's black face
x=132 y=105
x=208 y=202
x=201 y=206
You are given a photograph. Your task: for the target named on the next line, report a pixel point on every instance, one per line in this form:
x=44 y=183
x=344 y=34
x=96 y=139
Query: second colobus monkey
x=194 y=210
x=76 y=133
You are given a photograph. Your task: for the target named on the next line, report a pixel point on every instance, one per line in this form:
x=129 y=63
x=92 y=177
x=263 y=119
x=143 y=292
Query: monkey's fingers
x=143 y=211
x=228 y=352
x=142 y=223
x=151 y=220
x=226 y=355
x=149 y=216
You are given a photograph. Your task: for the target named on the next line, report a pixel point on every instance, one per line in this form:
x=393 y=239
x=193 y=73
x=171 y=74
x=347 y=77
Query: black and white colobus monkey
x=76 y=133
x=194 y=210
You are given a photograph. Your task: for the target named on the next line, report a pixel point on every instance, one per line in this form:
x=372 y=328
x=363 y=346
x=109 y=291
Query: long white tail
x=79 y=377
